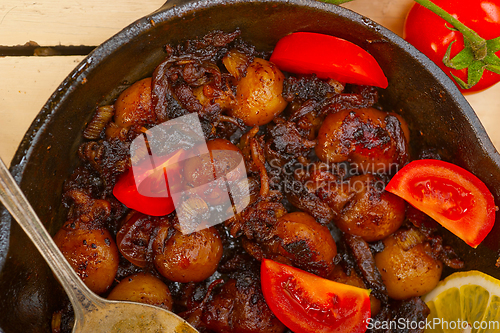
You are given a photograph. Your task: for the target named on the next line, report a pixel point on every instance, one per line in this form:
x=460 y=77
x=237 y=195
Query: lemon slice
x=464 y=302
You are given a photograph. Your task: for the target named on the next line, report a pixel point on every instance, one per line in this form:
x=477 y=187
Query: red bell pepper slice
x=307 y=303
x=328 y=57
x=146 y=190
x=451 y=195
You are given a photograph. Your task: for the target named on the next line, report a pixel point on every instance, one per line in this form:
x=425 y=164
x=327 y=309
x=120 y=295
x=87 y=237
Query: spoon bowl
x=92 y=313
x=119 y=316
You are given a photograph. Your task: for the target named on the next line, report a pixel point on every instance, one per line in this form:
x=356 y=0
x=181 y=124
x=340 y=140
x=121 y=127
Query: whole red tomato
x=432 y=35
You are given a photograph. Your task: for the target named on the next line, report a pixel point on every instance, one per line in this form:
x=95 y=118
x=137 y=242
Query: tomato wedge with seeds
x=328 y=57
x=307 y=303
x=451 y=195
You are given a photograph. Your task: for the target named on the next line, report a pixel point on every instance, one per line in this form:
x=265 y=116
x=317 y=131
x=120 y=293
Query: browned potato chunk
x=374 y=141
x=406 y=269
x=133 y=106
x=372 y=213
x=239 y=307
x=222 y=160
x=92 y=254
x=143 y=288
x=306 y=242
x=185 y=258
x=258 y=94
x=133 y=238
x=301 y=241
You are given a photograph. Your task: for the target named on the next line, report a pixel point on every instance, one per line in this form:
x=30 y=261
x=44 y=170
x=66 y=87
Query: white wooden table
x=27 y=82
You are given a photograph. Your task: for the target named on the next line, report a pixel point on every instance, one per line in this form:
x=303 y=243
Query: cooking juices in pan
x=222 y=160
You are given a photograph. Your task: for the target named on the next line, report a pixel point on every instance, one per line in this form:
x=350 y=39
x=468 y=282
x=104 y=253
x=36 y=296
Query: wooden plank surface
x=68 y=22
x=25 y=85
x=27 y=82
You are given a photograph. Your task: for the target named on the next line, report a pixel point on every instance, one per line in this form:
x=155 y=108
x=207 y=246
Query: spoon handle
x=19 y=207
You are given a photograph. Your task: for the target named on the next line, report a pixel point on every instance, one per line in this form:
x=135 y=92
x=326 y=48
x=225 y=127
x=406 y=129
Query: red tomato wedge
x=451 y=195
x=126 y=192
x=149 y=181
x=306 y=303
x=328 y=57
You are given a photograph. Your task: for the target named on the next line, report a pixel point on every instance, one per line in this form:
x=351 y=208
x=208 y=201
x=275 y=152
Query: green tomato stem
x=477 y=43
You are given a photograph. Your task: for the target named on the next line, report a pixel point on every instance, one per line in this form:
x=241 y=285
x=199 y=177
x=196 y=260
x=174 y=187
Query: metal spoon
x=92 y=313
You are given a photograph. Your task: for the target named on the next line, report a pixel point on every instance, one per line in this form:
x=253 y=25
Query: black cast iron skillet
x=439 y=116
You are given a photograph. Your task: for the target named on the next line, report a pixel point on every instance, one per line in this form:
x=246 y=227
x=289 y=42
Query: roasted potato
x=187 y=258
x=372 y=140
x=91 y=252
x=258 y=94
x=133 y=238
x=143 y=288
x=371 y=213
x=300 y=241
x=406 y=269
x=133 y=106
